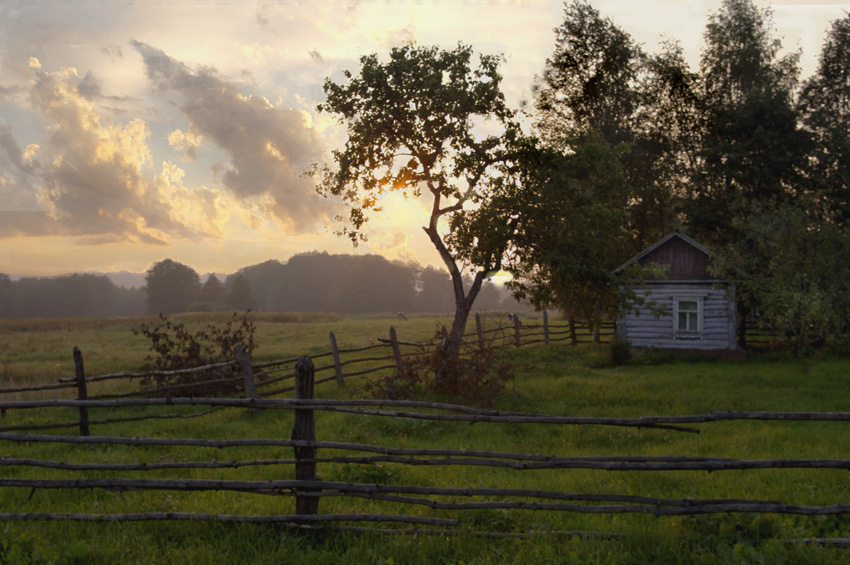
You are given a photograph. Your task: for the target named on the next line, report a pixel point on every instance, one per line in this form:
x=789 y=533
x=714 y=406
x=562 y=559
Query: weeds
x=174 y=347
x=477 y=379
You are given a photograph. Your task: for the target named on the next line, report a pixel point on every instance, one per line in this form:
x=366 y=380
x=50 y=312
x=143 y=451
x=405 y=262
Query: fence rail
x=310 y=452
x=308 y=490
x=255 y=380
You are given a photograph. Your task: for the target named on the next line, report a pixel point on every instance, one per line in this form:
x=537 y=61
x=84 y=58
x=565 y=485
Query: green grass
x=558 y=380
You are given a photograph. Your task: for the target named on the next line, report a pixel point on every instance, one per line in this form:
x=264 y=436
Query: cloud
x=9 y=92
x=34 y=63
x=189 y=142
x=113 y=50
x=394 y=246
x=202 y=207
x=269 y=147
x=91 y=183
x=89 y=87
x=13 y=151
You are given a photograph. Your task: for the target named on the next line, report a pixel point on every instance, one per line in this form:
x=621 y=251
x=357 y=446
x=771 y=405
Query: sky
x=131 y=132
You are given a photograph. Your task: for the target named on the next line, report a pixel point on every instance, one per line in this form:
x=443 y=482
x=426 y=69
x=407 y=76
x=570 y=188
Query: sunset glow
x=131 y=132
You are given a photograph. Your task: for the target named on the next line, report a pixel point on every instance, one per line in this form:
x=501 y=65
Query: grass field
x=558 y=380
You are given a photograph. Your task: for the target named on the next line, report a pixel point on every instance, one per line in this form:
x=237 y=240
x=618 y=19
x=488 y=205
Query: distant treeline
x=309 y=282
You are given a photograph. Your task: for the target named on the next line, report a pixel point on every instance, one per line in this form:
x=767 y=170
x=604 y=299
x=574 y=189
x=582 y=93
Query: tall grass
x=559 y=380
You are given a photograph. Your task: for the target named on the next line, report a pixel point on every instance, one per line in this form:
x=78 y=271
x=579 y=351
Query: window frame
x=680 y=333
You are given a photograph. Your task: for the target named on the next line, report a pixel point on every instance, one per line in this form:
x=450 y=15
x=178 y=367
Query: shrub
x=619 y=350
x=477 y=378
x=174 y=347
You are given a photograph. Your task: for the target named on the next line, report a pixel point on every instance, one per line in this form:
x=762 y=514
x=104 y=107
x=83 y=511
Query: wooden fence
x=275 y=378
x=310 y=451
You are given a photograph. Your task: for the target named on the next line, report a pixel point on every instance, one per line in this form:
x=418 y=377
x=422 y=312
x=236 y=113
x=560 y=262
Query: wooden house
x=687 y=308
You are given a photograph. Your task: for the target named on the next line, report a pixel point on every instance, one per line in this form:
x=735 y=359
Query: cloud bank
x=95 y=179
x=268 y=147
x=89 y=179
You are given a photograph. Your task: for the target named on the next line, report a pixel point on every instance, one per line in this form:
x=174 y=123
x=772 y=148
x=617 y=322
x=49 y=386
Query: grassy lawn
x=558 y=380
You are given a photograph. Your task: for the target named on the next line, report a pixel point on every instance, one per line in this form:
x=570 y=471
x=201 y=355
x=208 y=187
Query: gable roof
x=676 y=234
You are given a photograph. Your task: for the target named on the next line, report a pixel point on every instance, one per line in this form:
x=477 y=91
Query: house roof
x=676 y=234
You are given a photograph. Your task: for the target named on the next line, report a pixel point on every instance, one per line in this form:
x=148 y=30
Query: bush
x=476 y=379
x=174 y=347
x=619 y=350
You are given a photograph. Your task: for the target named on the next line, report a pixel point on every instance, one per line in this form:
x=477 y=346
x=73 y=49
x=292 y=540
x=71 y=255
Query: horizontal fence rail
x=261 y=385
x=275 y=378
x=308 y=490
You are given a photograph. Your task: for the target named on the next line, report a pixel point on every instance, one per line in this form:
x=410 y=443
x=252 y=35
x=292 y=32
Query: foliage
x=599 y=81
x=212 y=297
x=791 y=269
x=824 y=104
x=612 y=120
x=561 y=263
x=619 y=350
x=6 y=296
x=751 y=150
x=78 y=295
x=476 y=379
x=240 y=295
x=171 y=287
x=174 y=346
x=412 y=128
x=589 y=80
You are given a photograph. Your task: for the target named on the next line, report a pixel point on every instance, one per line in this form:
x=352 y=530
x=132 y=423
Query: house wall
x=718 y=322
x=684 y=261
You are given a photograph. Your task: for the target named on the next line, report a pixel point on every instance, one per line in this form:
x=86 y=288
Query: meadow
x=555 y=380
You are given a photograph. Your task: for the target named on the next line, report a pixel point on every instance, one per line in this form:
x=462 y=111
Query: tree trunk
x=743 y=312
x=448 y=361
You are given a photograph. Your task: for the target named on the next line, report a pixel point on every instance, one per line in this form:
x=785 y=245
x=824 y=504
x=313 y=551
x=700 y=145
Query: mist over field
x=308 y=282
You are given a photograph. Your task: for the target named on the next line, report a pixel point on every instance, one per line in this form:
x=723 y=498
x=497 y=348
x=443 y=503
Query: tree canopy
x=171 y=287
x=430 y=124
x=735 y=153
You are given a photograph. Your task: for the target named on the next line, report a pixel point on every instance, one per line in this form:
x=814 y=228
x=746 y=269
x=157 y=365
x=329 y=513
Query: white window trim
x=683 y=334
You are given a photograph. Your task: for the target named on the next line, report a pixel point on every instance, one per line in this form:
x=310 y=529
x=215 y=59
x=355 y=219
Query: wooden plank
x=305 y=430
x=247 y=377
x=337 y=361
x=399 y=362
x=82 y=393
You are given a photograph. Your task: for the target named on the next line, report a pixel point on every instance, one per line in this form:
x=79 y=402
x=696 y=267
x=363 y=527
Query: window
x=687 y=317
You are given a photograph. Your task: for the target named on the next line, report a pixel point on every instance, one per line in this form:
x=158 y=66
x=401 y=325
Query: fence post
x=399 y=364
x=305 y=430
x=82 y=392
x=337 y=362
x=546 y=327
x=247 y=376
x=516 y=331
x=573 y=336
x=480 y=328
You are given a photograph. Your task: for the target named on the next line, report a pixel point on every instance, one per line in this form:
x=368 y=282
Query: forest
x=308 y=282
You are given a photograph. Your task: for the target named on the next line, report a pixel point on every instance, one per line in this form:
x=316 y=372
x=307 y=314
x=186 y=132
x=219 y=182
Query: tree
x=752 y=152
x=240 y=295
x=570 y=229
x=589 y=81
x=824 y=104
x=411 y=125
x=799 y=285
x=751 y=148
x=434 y=290
x=213 y=295
x=7 y=299
x=598 y=80
x=171 y=287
